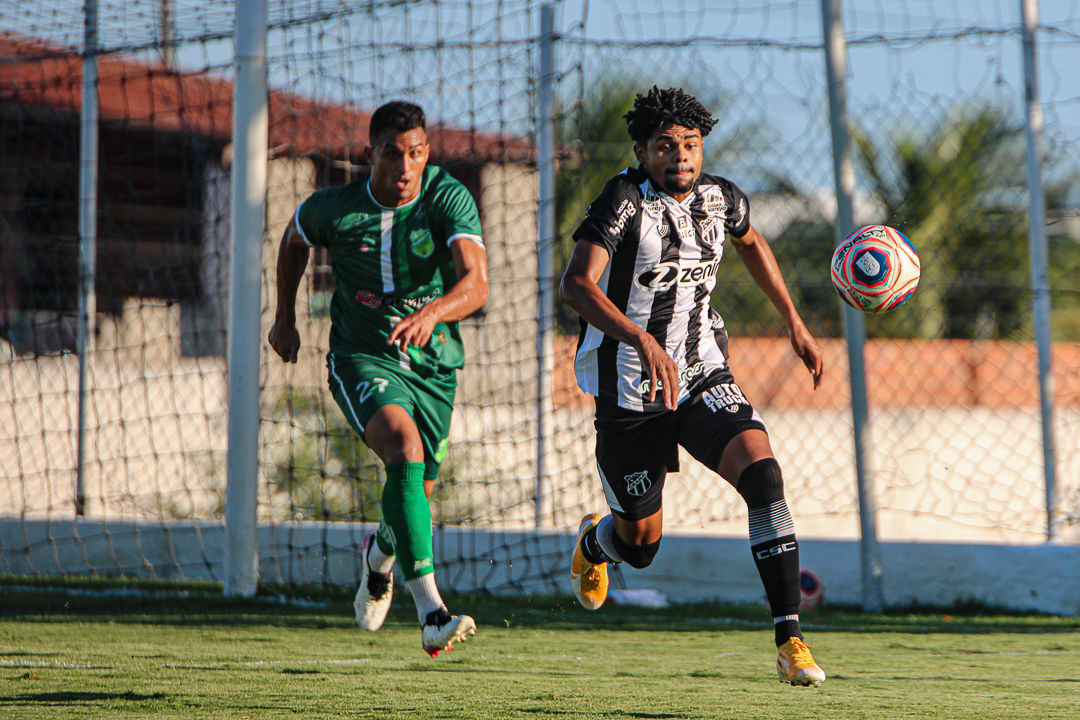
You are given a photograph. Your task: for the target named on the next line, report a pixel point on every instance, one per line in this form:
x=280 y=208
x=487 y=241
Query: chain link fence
x=936 y=96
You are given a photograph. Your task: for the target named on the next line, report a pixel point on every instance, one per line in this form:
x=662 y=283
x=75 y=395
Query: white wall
x=1036 y=578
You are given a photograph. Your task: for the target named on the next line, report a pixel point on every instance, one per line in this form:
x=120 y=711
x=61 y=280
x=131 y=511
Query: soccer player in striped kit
x=653 y=352
x=409 y=262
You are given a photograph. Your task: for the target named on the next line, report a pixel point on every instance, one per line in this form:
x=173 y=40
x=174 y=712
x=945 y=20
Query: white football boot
x=375 y=593
x=442 y=630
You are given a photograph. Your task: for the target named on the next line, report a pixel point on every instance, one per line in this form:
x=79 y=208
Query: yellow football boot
x=795 y=665
x=590 y=581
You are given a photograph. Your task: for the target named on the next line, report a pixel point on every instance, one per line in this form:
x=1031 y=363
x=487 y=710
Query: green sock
x=405 y=529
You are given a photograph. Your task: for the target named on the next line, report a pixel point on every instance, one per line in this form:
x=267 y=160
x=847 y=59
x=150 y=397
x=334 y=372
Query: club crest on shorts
x=638 y=483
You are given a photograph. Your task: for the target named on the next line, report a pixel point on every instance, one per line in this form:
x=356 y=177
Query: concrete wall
x=688 y=568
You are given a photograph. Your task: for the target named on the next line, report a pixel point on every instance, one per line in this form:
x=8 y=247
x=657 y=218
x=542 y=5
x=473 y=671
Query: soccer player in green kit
x=409 y=262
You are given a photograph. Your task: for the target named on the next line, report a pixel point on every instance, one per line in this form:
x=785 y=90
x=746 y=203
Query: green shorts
x=362 y=384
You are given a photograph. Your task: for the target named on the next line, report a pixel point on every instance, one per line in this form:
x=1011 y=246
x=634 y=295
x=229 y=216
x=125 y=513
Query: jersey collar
x=367 y=186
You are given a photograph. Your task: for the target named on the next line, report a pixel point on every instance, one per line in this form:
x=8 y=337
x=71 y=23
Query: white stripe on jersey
x=386 y=251
x=585 y=364
x=299 y=228
x=689 y=272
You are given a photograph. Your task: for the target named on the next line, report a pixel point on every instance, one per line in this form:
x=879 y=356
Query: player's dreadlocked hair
x=651 y=112
x=396 y=115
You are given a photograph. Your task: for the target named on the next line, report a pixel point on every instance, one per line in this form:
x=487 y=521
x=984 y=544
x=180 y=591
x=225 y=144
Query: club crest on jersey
x=422 y=244
x=638 y=483
x=725 y=396
x=709 y=232
x=662 y=229
x=625 y=212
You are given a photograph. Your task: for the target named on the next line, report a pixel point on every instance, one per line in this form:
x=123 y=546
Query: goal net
x=936 y=96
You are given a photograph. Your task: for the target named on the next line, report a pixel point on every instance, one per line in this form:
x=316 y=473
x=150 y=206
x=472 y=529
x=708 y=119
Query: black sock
x=590 y=548
x=778 y=565
x=773 y=543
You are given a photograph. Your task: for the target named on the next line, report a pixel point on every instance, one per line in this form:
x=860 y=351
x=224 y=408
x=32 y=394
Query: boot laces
x=800 y=653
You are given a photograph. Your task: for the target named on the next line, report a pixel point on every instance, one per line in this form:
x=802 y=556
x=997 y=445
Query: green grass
x=103 y=649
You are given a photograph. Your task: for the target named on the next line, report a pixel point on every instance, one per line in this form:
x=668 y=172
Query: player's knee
x=761 y=483
x=636 y=556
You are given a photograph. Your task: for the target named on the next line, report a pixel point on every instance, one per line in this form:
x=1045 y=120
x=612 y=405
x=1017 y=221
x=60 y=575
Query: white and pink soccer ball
x=876 y=269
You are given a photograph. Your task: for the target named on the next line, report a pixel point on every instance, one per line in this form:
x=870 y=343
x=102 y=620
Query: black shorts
x=636 y=450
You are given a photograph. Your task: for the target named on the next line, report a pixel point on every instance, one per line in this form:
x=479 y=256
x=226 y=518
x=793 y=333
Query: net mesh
x=936 y=95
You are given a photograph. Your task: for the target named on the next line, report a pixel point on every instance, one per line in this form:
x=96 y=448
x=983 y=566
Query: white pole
x=854 y=322
x=88 y=181
x=250 y=142
x=1040 y=259
x=545 y=311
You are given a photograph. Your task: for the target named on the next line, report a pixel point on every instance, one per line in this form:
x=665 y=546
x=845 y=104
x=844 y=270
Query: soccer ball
x=876 y=269
x=811 y=588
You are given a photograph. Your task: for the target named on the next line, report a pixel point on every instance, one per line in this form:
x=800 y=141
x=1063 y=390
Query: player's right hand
x=285 y=339
x=663 y=371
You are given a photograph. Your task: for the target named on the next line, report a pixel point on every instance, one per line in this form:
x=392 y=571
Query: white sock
x=425 y=594
x=379 y=561
x=605 y=537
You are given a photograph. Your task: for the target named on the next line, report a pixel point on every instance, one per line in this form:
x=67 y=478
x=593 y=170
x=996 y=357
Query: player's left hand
x=414 y=329
x=807 y=348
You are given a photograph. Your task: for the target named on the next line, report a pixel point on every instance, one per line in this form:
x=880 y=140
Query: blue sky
x=472 y=65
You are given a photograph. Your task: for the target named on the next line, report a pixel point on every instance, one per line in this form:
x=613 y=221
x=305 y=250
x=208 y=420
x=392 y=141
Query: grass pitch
x=108 y=650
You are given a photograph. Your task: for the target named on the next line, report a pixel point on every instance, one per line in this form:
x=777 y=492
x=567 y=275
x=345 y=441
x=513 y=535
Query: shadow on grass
x=68 y=698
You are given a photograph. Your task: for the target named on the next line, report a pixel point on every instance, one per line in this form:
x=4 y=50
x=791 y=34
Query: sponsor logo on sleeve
x=742 y=211
x=625 y=212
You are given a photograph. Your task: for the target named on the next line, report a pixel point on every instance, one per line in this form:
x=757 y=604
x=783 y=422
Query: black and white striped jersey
x=662 y=268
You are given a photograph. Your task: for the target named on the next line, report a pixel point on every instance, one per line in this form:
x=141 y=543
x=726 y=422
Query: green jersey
x=389 y=262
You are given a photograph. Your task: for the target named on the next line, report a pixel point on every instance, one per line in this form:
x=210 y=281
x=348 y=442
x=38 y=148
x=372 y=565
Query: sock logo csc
x=776 y=550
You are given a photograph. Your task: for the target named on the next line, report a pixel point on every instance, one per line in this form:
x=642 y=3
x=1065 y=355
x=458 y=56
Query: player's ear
x=639 y=152
x=365 y=155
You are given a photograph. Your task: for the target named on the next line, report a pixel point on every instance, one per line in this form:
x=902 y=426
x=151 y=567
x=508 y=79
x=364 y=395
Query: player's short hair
x=660 y=107
x=399 y=115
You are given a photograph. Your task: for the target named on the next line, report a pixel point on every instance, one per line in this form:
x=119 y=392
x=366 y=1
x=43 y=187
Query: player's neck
x=677 y=197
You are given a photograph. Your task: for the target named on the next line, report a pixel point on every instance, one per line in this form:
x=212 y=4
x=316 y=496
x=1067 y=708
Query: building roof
x=36 y=73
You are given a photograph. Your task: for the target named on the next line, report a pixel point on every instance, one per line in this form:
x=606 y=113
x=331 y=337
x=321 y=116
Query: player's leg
x=406 y=527
x=433 y=405
x=379 y=403
x=634 y=452
x=749 y=464
x=722 y=430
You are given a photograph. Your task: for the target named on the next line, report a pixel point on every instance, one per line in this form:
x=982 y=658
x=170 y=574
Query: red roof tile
x=36 y=73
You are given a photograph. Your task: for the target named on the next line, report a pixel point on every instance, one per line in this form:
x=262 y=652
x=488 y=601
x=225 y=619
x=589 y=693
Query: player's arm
x=468 y=295
x=581 y=292
x=292 y=260
x=759 y=259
